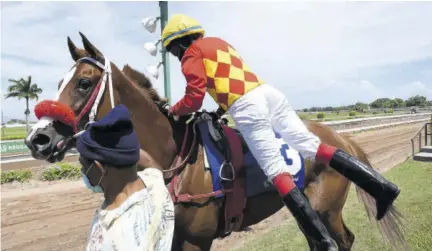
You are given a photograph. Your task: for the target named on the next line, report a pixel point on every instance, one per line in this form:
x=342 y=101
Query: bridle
x=92 y=104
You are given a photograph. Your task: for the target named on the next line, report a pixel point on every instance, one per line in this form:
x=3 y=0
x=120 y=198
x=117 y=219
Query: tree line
x=381 y=103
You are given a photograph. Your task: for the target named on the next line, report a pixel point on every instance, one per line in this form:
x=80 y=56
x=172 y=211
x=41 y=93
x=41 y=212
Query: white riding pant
x=258 y=115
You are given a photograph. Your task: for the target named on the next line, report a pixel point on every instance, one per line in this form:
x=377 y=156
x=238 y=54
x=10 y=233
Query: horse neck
x=153 y=129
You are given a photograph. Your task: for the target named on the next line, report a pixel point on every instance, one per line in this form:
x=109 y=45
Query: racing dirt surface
x=57 y=215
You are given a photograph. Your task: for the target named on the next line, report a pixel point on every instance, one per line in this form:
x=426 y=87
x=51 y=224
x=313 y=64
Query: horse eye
x=84 y=84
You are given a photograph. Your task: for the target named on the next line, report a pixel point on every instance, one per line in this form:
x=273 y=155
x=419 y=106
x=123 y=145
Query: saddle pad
x=214 y=157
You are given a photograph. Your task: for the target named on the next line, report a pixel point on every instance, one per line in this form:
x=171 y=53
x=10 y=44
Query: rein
x=178 y=162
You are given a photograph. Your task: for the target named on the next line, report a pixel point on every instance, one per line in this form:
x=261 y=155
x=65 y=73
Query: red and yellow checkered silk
x=211 y=64
x=228 y=77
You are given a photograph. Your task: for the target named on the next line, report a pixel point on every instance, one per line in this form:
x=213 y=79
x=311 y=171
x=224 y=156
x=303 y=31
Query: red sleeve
x=194 y=72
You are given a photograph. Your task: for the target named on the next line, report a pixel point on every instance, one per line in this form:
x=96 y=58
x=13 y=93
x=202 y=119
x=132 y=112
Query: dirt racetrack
x=57 y=216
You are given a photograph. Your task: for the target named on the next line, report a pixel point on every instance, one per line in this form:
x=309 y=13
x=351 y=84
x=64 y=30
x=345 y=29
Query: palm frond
x=33 y=96
x=13 y=95
x=35 y=89
x=14 y=88
x=15 y=81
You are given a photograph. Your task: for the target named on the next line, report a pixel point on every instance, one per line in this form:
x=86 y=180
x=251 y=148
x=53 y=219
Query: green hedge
x=16 y=175
x=61 y=170
x=320 y=115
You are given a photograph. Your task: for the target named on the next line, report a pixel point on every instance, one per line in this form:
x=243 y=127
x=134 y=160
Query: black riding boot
x=367 y=179
x=309 y=220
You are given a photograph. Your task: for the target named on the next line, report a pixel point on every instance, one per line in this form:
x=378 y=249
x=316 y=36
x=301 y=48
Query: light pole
x=150 y=24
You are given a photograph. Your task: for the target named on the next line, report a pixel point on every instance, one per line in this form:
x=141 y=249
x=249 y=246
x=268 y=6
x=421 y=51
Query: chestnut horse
x=96 y=84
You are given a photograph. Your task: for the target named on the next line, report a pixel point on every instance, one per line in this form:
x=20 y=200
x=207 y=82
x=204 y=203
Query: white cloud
x=412 y=89
x=307 y=50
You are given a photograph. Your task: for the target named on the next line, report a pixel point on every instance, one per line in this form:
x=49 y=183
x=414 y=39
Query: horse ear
x=91 y=49
x=74 y=51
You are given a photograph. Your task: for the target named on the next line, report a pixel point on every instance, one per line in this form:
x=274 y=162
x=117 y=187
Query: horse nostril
x=41 y=140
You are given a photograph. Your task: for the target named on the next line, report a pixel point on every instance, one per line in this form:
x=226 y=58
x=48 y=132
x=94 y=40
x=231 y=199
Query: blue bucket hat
x=111 y=140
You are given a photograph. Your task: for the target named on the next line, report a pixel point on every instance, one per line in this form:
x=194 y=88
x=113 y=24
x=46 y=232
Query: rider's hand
x=171 y=114
x=220 y=112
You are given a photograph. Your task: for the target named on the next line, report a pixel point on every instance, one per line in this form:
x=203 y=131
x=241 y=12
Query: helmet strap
x=183 y=49
x=184 y=43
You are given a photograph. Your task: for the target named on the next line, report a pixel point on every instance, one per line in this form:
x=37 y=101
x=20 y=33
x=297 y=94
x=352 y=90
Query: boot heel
x=383 y=204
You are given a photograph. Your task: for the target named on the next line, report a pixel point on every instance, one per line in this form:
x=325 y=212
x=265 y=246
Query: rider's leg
x=251 y=116
x=286 y=122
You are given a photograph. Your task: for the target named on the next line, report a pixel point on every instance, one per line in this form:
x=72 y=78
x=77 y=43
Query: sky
x=317 y=54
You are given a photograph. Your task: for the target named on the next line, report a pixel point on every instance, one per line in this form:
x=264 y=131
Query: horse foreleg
x=327 y=195
x=191 y=244
x=203 y=244
x=196 y=227
x=338 y=230
x=197 y=244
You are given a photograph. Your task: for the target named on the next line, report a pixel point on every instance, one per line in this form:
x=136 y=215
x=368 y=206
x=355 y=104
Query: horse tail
x=391 y=224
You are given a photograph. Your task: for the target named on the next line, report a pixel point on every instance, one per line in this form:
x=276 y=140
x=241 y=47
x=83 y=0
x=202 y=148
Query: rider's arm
x=194 y=72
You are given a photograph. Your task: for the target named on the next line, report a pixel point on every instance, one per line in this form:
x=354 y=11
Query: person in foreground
x=137 y=213
x=258 y=110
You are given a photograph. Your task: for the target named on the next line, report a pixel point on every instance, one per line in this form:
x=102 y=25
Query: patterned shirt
x=211 y=64
x=145 y=221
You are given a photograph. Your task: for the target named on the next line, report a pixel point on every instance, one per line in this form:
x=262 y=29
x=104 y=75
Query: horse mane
x=142 y=81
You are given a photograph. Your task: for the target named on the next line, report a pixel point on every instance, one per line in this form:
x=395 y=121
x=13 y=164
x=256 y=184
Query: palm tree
x=24 y=89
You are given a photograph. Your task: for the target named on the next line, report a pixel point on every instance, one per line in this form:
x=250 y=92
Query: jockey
x=211 y=65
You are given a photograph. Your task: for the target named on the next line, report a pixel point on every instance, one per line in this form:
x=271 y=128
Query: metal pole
x=165 y=59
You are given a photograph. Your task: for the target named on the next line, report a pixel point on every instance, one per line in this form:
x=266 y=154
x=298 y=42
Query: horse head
x=88 y=92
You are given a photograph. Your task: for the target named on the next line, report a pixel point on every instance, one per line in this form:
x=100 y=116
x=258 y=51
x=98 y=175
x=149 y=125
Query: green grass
x=61 y=170
x=415 y=202
x=15 y=175
x=13 y=133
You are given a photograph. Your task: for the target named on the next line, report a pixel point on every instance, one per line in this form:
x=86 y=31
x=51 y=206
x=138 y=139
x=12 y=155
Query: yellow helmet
x=179 y=26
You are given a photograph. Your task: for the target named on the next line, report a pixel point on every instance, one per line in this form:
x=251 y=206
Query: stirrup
x=229 y=164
